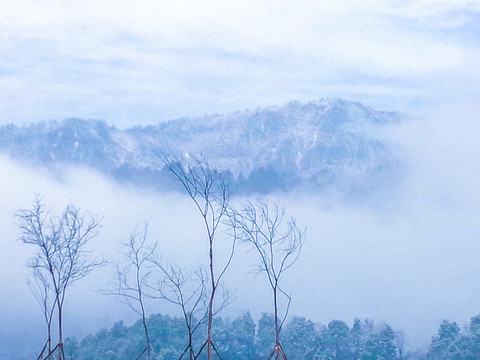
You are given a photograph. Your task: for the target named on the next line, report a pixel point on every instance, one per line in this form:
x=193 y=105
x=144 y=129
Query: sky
x=152 y=61
x=408 y=255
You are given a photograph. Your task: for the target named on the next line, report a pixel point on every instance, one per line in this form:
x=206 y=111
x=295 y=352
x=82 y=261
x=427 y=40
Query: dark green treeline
x=243 y=339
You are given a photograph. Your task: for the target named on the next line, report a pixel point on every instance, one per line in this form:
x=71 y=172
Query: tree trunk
x=60 y=332
x=210 y=322
x=190 y=345
x=49 y=340
x=275 y=307
x=278 y=351
x=210 y=304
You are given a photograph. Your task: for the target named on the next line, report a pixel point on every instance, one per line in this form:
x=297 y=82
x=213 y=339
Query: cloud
x=158 y=60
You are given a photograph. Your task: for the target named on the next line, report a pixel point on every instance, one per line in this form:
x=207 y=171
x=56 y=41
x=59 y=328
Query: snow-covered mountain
x=311 y=145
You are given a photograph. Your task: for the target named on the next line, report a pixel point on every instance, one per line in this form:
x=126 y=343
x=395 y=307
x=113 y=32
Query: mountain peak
x=279 y=147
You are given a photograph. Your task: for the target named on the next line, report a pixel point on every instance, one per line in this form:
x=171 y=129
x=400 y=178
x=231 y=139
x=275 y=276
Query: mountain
x=312 y=145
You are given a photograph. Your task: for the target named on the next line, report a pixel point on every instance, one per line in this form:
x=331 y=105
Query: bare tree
x=61 y=258
x=278 y=245
x=131 y=279
x=209 y=191
x=187 y=290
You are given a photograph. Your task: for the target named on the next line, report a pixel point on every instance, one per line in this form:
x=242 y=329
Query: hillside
x=310 y=145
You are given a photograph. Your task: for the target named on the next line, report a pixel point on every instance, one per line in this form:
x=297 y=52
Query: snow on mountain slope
x=282 y=147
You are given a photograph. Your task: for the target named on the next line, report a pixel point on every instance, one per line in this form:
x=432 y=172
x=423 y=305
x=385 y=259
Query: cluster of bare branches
x=278 y=245
x=132 y=277
x=187 y=290
x=209 y=190
x=142 y=275
x=277 y=242
x=61 y=259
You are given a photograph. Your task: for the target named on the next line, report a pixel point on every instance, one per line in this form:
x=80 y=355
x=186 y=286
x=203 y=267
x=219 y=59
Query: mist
x=407 y=252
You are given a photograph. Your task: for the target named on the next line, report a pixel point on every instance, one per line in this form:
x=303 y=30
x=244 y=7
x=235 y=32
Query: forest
x=242 y=338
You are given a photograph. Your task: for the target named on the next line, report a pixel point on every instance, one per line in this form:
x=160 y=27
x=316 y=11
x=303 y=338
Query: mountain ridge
x=311 y=144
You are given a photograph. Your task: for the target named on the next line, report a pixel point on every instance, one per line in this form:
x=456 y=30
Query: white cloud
x=69 y=55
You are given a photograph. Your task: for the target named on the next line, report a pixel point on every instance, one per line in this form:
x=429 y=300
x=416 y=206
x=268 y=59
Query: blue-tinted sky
x=149 y=61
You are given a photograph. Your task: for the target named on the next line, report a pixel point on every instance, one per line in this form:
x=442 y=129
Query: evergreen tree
x=356 y=340
x=301 y=339
x=443 y=344
x=386 y=344
x=236 y=339
x=265 y=335
x=244 y=340
x=337 y=339
x=474 y=332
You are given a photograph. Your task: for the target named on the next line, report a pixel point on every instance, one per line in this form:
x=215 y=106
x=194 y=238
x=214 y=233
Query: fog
x=406 y=252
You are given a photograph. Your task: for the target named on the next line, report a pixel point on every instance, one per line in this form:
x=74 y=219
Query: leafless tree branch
x=278 y=245
x=209 y=191
x=132 y=278
x=186 y=289
x=61 y=259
